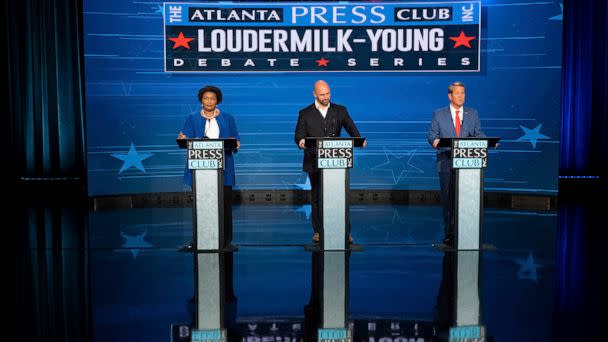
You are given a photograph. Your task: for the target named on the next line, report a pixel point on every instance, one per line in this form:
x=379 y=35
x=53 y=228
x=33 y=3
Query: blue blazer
x=194 y=128
x=442 y=126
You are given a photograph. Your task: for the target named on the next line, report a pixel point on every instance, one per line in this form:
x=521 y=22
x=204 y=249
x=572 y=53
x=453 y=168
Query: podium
x=469 y=157
x=334 y=157
x=206 y=159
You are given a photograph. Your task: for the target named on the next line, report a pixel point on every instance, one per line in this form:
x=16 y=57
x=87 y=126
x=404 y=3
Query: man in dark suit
x=451 y=122
x=320 y=119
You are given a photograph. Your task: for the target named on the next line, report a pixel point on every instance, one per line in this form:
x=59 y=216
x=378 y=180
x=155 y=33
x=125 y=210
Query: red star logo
x=322 y=62
x=463 y=40
x=181 y=41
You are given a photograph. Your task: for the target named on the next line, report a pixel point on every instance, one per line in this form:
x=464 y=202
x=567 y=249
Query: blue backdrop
x=134 y=110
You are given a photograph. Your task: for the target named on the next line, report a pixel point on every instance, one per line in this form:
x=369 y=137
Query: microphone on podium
x=207 y=126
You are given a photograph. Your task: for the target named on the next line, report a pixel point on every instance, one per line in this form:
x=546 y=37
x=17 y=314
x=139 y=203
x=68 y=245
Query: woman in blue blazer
x=213 y=124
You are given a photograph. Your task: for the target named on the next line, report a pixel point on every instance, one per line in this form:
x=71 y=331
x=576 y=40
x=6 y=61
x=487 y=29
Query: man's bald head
x=321 y=92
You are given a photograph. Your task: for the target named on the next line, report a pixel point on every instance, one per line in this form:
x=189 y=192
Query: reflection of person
x=445 y=307
x=320 y=119
x=312 y=310
x=213 y=124
x=451 y=122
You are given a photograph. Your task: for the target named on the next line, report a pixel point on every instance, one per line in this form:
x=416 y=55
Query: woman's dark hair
x=215 y=90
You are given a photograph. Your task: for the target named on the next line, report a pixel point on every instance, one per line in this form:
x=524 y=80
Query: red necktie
x=457 y=123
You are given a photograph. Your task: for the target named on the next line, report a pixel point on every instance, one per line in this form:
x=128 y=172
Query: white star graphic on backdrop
x=559 y=16
x=135 y=242
x=383 y=228
x=305 y=185
x=397 y=217
x=306 y=209
x=403 y=223
x=399 y=166
x=132 y=158
x=528 y=268
x=532 y=135
x=127 y=88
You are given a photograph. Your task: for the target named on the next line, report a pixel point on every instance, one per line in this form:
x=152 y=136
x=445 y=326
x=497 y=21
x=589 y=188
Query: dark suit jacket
x=312 y=124
x=442 y=126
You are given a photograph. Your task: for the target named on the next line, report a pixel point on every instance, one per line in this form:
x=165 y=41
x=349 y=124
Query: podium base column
x=334 y=207
x=208 y=209
x=469 y=204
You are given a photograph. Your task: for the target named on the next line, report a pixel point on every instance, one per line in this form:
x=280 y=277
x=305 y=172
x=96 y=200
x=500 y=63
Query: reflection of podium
x=469 y=158
x=459 y=303
x=206 y=159
x=334 y=157
x=326 y=314
x=214 y=305
x=214 y=301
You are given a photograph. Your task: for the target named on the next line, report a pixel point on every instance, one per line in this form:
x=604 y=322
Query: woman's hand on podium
x=238 y=143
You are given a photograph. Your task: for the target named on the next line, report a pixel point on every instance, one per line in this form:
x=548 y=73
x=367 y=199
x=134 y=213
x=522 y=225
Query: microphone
x=334 y=124
x=207 y=126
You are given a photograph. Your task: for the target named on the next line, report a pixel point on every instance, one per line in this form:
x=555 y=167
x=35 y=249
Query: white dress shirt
x=212 y=129
x=322 y=109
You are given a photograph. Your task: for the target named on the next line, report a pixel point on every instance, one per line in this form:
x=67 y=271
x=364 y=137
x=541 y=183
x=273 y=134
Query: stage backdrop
x=389 y=63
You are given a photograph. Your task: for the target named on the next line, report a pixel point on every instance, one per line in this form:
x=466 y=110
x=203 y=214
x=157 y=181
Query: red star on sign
x=463 y=40
x=322 y=62
x=181 y=41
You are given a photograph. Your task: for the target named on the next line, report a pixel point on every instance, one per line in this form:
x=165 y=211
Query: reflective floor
x=116 y=275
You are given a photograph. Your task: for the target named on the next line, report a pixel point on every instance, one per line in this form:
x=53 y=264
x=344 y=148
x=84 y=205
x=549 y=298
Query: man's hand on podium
x=435 y=143
x=181 y=135
x=364 y=143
